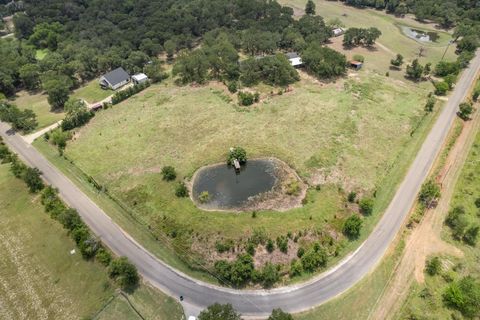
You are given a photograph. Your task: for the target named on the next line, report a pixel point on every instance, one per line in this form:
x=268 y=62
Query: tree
x=324 y=62
x=371 y=35
x=430 y=105
x=314 y=258
x=464 y=295
x=269 y=275
x=57 y=90
x=366 y=206
x=429 y=193
x=457 y=222
x=168 y=173
x=170 y=48
x=30 y=76
x=33 y=180
x=278 y=314
x=154 y=71
x=471 y=235
x=23 y=26
x=465 y=109
x=441 y=88
x=124 y=272
x=77 y=114
x=219 y=312
x=25 y=120
x=181 y=190
x=414 y=70
x=352 y=226
x=238 y=153
x=310 y=7
x=191 y=67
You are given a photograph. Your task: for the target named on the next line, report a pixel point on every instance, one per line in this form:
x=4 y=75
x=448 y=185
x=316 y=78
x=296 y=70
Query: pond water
x=421 y=35
x=230 y=190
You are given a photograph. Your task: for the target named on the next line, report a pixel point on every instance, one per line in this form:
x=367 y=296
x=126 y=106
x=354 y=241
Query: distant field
x=40 y=279
x=391 y=42
x=39 y=104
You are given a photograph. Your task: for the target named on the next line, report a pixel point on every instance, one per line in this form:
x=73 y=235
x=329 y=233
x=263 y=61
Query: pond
x=421 y=35
x=228 y=189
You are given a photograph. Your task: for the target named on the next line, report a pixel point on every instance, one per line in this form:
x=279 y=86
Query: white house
x=294 y=58
x=139 y=78
x=115 y=79
x=338 y=32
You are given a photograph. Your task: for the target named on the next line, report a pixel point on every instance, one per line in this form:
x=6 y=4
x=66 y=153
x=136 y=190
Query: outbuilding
x=139 y=78
x=357 y=65
x=338 y=32
x=294 y=58
x=115 y=79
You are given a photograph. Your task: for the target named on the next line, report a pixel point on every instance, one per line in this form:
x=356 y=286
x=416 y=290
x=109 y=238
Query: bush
x=250 y=249
x=219 y=312
x=238 y=272
x=204 y=197
x=477 y=203
x=314 y=258
x=465 y=110
x=296 y=268
x=77 y=115
x=293 y=188
x=278 y=314
x=441 y=88
x=429 y=193
x=247 y=98
x=464 y=295
x=237 y=153
x=433 y=266
x=351 y=196
x=232 y=86
x=103 y=256
x=269 y=275
x=300 y=252
x=127 y=93
x=430 y=105
x=352 y=226
x=33 y=180
x=124 y=273
x=222 y=247
x=270 y=246
x=181 y=190
x=358 y=57
x=366 y=206
x=282 y=244
x=21 y=120
x=168 y=173
x=471 y=235
x=457 y=222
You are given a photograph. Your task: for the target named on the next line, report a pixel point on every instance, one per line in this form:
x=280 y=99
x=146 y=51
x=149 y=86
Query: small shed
x=294 y=58
x=357 y=65
x=115 y=79
x=139 y=78
x=338 y=32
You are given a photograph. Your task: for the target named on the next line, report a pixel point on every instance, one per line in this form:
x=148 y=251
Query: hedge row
x=127 y=93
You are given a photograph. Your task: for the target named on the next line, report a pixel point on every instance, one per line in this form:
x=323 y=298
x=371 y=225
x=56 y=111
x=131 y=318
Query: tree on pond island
x=237 y=153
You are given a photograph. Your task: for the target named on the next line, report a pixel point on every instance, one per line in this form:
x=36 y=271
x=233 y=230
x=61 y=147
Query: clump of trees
x=124 y=273
x=429 y=193
x=415 y=70
x=460 y=226
x=219 y=311
x=77 y=114
x=359 y=36
x=324 y=62
x=21 y=120
x=465 y=109
x=247 y=98
x=366 y=206
x=397 y=62
x=274 y=70
x=352 y=226
x=238 y=153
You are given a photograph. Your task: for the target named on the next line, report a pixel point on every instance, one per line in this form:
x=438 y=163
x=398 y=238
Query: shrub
x=237 y=153
x=457 y=221
x=433 y=266
x=103 y=256
x=366 y=206
x=314 y=258
x=352 y=226
x=464 y=296
x=293 y=188
x=247 y=98
x=181 y=190
x=270 y=245
x=282 y=244
x=296 y=268
x=471 y=235
x=359 y=57
x=237 y=272
x=219 y=311
x=168 y=173
x=430 y=104
x=204 y=197
x=429 y=193
x=278 y=314
x=32 y=178
x=269 y=275
x=232 y=86
x=119 y=96
x=250 y=249
x=477 y=203
x=124 y=273
x=225 y=246
x=351 y=196
x=465 y=110
x=441 y=88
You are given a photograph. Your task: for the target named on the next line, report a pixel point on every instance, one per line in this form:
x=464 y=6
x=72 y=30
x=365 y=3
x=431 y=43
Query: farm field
x=40 y=278
x=357 y=134
x=426 y=298
x=392 y=40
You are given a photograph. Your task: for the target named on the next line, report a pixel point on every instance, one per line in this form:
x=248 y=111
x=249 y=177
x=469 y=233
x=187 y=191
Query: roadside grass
x=39 y=104
x=39 y=276
x=91 y=92
x=145 y=303
x=359 y=301
x=427 y=298
x=378 y=59
x=358 y=130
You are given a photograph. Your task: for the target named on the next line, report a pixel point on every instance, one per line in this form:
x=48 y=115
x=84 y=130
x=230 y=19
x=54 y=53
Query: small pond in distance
x=231 y=190
x=420 y=35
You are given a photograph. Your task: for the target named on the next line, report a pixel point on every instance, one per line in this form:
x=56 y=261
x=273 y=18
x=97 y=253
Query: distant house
x=357 y=65
x=294 y=58
x=338 y=32
x=139 y=78
x=115 y=79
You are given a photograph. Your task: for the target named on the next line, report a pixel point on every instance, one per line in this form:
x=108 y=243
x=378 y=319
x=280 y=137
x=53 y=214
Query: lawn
x=427 y=298
x=39 y=104
x=40 y=278
x=354 y=134
x=392 y=40
x=91 y=92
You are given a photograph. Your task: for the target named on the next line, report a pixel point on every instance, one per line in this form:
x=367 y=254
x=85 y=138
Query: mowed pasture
x=355 y=134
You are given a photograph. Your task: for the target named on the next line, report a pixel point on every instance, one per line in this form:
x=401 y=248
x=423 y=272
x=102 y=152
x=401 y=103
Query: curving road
x=259 y=303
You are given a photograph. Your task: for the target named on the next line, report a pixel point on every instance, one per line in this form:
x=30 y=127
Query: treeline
x=119 y=269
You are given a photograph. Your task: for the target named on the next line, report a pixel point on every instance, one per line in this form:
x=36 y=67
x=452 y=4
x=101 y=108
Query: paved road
x=260 y=303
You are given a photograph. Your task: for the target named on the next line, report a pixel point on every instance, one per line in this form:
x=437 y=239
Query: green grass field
x=40 y=278
x=427 y=298
x=39 y=104
x=91 y=92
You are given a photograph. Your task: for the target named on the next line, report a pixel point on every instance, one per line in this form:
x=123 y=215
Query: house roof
x=354 y=62
x=116 y=76
x=292 y=55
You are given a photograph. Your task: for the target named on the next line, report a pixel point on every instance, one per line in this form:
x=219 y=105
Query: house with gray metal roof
x=115 y=79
